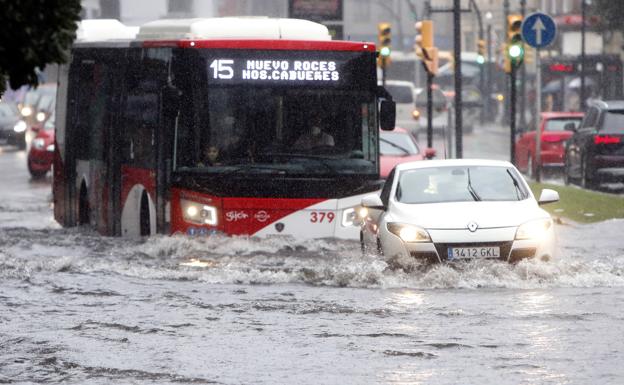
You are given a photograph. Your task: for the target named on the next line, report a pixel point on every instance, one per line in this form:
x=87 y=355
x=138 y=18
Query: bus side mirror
x=387 y=115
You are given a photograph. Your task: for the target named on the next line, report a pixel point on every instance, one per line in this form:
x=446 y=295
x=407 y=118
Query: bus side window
x=145 y=77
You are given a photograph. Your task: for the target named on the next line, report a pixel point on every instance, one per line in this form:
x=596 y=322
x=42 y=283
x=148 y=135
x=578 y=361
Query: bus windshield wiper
x=252 y=166
x=471 y=189
x=319 y=158
x=395 y=145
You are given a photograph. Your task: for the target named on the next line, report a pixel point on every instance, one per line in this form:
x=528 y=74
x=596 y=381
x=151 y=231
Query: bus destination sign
x=275 y=70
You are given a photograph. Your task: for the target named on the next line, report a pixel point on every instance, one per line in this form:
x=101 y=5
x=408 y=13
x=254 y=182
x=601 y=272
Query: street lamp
x=488 y=82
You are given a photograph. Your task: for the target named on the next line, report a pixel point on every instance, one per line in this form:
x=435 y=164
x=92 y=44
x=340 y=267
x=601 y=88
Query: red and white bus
x=136 y=114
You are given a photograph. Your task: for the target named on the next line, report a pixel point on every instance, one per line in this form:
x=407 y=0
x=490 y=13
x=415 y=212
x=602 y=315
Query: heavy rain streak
x=80 y=308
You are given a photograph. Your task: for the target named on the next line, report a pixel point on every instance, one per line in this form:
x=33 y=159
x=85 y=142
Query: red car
x=41 y=153
x=556 y=128
x=399 y=146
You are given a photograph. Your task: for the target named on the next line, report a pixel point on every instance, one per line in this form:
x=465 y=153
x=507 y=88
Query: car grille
x=505 y=247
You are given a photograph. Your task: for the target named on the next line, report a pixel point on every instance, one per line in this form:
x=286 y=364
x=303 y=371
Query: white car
x=456 y=209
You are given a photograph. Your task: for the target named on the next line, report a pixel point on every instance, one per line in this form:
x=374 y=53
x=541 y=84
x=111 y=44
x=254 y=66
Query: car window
x=385 y=192
x=613 y=121
x=397 y=143
x=400 y=94
x=560 y=123
x=460 y=184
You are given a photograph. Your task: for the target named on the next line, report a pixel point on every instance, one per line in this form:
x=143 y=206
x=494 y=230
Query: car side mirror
x=548 y=196
x=430 y=153
x=373 y=201
x=570 y=126
x=387 y=115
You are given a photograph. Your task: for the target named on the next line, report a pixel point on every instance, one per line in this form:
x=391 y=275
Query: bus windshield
x=270 y=128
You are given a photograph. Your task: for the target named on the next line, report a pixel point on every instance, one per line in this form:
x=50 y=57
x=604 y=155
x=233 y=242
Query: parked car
x=403 y=95
x=595 y=152
x=11 y=123
x=457 y=209
x=41 y=153
x=556 y=128
x=399 y=146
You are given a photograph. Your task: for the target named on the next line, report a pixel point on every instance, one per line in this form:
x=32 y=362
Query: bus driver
x=314 y=137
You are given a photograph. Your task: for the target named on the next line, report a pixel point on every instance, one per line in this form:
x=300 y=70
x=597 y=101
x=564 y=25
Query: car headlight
x=534 y=229
x=408 y=233
x=50 y=147
x=41 y=116
x=38 y=143
x=26 y=111
x=198 y=212
x=20 y=126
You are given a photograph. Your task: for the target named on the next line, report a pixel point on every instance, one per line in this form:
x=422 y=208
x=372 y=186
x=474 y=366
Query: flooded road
x=78 y=308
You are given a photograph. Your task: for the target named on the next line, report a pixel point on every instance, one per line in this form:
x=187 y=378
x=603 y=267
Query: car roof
x=452 y=162
x=561 y=114
x=608 y=104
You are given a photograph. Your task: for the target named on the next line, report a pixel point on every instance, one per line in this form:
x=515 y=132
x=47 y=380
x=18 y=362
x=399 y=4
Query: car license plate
x=473 y=252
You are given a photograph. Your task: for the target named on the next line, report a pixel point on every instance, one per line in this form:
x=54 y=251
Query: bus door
x=92 y=137
x=143 y=167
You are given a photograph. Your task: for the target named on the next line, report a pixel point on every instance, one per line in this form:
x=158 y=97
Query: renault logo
x=473 y=226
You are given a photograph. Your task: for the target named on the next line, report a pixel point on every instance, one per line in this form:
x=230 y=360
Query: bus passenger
x=314 y=137
x=210 y=157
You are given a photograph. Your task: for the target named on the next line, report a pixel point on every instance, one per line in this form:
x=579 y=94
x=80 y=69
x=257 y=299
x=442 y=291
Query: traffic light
x=384 y=32
x=424 y=47
x=515 y=45
x=481 y=51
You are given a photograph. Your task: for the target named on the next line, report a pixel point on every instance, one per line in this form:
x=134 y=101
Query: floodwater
x=78 y=308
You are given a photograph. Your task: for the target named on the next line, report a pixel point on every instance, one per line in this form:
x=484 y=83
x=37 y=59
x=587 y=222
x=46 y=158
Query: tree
x=34 y=33
x=611 y=13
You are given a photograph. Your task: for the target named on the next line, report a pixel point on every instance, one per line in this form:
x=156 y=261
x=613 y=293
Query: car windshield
x=460 y=184
x=560 y=124
x=397 y=144
x=613 y=121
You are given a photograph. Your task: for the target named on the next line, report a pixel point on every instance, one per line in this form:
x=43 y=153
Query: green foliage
x=611 y=13
x=581 y=205
x=34 y=33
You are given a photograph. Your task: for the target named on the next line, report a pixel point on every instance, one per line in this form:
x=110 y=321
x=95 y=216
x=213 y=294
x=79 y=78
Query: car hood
x=457 y=215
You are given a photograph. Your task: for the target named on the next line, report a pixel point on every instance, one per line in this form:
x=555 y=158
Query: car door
x=577 y=143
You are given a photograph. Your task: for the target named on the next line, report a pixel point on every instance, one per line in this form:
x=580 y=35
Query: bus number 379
x=321 y=217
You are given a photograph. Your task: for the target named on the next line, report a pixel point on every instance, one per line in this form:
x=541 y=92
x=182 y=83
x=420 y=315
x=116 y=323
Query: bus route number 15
x=222 y=69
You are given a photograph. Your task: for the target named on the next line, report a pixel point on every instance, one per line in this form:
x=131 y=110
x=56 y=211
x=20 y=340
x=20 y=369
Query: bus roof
x=104 y=30
x=233 y=28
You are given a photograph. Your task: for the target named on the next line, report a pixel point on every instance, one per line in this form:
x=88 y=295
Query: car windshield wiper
x=471 y=189
x=319 y=158
x=395 y=145
x=516 y=184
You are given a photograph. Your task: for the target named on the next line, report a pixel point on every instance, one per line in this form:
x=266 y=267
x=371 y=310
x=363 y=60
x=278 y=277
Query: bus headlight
x=198 y=212
x=408 y=233
x=349 y=217
x=535 y=229
x=20 y=126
